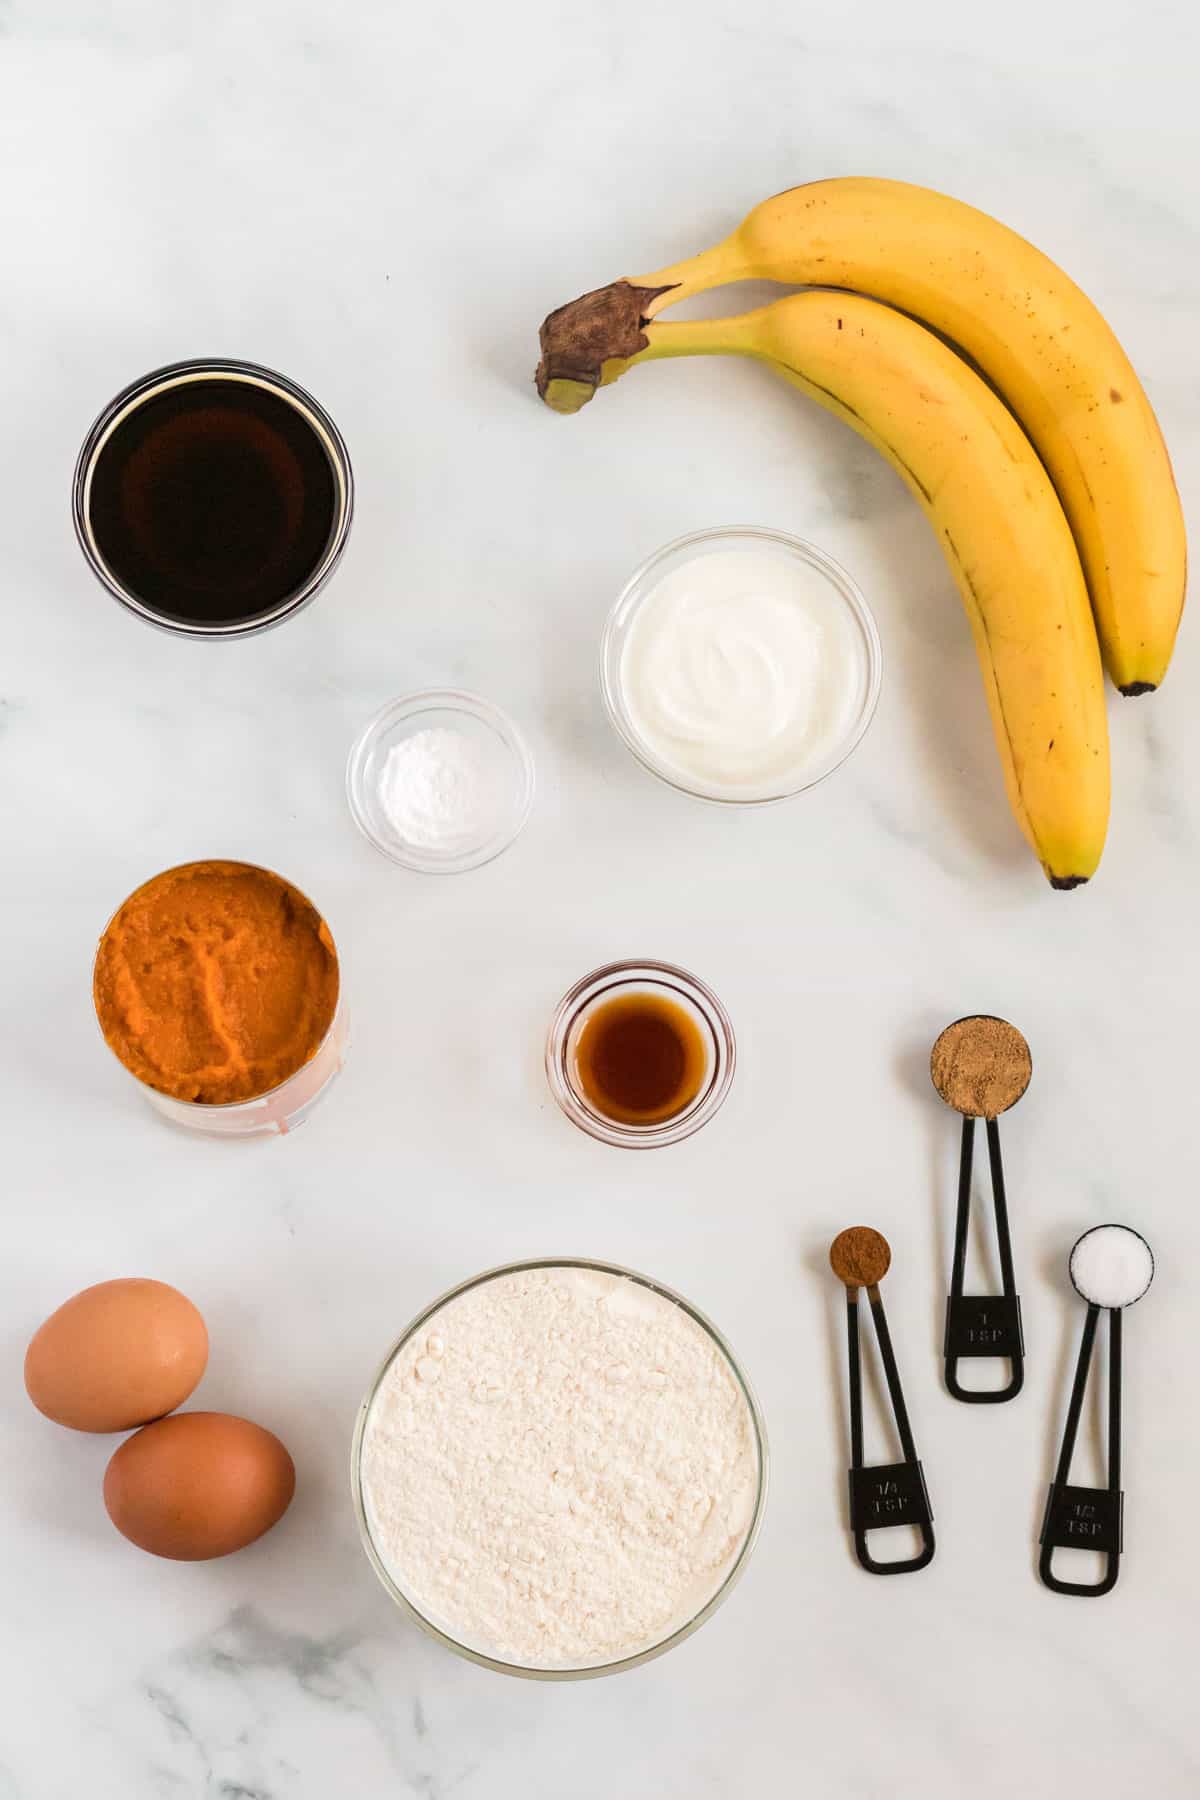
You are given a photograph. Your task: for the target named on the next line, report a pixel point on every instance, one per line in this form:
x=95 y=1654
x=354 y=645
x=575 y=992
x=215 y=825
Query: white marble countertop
x=383 y=202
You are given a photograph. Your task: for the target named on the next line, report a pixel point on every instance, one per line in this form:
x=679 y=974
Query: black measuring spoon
x=887 y=1493
x=1111 y=1266
x=981 y=1066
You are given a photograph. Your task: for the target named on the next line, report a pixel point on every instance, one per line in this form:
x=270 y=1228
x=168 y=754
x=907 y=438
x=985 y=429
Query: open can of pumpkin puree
x=217 y=987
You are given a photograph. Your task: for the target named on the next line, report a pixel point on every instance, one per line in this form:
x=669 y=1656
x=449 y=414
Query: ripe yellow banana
x=1035 y=335
x=998 y=520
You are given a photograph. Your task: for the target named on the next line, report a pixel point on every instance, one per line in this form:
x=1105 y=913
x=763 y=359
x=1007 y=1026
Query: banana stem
x=716 y=267
x=594 y=339
x=733 y=336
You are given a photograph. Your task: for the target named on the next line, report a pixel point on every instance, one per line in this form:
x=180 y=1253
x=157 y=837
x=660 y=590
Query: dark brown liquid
x=213 y=502
x=640 y=1058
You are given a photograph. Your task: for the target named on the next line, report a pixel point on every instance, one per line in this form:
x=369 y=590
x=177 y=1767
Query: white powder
x=1111 y=1265
x=560 y=1469
x=742 y=671
x=441 y=791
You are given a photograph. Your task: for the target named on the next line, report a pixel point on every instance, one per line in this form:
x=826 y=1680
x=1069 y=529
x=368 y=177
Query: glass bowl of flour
x=560 y=1469
x=440 y=781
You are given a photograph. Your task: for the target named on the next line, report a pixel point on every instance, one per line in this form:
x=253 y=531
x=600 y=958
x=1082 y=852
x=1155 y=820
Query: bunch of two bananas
x=1048 y=483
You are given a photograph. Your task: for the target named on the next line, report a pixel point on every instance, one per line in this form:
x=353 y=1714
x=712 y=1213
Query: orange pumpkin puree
x=215 y=982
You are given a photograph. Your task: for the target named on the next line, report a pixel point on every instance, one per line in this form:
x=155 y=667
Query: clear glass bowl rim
x=629 y=599
x=733 y=1575
x=454 y=700
x=673 y=1130
x=202 y=1107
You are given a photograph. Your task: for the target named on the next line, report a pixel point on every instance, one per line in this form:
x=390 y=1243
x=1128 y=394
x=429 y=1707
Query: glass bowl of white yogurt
x=741 y=665
x=560 y=1469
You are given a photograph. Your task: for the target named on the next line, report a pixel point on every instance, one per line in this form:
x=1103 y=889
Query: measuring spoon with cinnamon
x=981 y=1066
x=886 y=1494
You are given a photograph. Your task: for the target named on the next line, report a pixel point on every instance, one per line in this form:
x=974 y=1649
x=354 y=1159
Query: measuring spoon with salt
x=888 y=1493
x=981 y=1066
x=1111 y=1267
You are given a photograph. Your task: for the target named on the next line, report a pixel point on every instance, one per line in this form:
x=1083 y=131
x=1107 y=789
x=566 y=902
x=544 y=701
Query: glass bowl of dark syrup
x=213 y=498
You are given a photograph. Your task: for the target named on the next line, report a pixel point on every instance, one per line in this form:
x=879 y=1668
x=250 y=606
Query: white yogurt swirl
x=742 y=672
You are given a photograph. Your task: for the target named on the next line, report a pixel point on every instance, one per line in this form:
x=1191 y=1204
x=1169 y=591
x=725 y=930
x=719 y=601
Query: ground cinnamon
x=981 y=1066
x=215 y=982
x=860 y=1256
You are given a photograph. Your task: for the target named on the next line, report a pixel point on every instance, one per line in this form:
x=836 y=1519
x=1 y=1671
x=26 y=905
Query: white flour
x=560 y=1468
x=441 y=791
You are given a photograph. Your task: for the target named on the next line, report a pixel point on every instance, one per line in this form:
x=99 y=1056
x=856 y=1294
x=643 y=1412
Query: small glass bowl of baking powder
x=377 y=1424
x=440 y=781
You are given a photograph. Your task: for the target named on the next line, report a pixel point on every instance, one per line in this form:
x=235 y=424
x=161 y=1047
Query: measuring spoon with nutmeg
x=981 y=1066
x=885 y=1494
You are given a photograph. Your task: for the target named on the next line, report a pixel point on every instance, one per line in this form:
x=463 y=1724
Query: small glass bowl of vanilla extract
x=640 y=1054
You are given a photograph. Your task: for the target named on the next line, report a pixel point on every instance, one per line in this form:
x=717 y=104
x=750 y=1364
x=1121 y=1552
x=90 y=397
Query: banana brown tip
x=1133 y=688
x=1063 y=882
x=579 y=338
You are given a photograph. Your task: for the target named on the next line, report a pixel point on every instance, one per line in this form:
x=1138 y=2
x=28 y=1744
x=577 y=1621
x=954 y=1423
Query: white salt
x=441 y=791
x=1111 y=1265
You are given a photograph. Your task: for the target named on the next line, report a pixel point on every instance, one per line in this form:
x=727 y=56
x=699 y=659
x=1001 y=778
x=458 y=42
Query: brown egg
x=198 y=1485
x=116 y=1355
